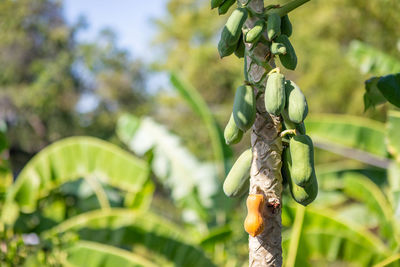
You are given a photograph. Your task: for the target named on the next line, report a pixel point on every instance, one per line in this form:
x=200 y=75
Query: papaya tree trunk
x=265 y=249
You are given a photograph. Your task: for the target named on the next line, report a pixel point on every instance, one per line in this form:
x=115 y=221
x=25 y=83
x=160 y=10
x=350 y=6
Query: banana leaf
x=393 y=134
x=73 y=158
x=354 y=137
x=222 y=152
x=173 y=164
x=127 y=228
x=365 y=191
x=92 y=254
x=322 y=235
x=372 y=60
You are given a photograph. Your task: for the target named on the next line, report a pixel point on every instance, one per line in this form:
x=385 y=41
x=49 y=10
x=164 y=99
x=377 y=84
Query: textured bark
x=265 y=249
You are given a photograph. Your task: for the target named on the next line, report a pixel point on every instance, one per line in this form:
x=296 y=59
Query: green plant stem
x=283 y=10
x=251 y=12
x=199 y=106
x=295 y=236
x=388 y=261
x=286 y=132
x=99 y=191
x=275 y=70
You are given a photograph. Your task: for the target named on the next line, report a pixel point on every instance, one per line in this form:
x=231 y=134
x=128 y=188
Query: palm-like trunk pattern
x=265 y=249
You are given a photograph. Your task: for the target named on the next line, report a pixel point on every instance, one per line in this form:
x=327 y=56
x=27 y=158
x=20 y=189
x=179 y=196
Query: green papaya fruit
x=254 y=34
x=244 y=188
x=239 y=52
x=286 y=165
x=286 y=26
x=273 y=26
x=224 y=7
x=304 y=195
x=216 y=3
x=244 y=107
x=277 y=49
x=231 y=32
x=288 y=125
x=302 y=153
x=274 y=95
x=232 y=133
x=296 y=103
x=238 y=175
x=301 y=128
x=288 y=60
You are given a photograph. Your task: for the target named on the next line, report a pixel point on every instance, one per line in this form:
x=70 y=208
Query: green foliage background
x=44 y=72
x=322 y=33
x=177 y=215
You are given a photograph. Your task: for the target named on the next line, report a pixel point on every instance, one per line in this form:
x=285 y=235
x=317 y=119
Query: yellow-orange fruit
x=254 y=223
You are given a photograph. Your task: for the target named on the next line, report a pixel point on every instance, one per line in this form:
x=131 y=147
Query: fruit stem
x=285 y=9
x=286 y=132
x=275 y=70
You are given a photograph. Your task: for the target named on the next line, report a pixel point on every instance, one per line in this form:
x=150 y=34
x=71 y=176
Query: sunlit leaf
x=92 y=254
x=172 y=163
x=354 y=137
x=330 y=176
x=199 y=106
x=329 y=198
x=325 y=236
x=295 y=236
x=73 y=158
x=392 y=261
x=364 y=190
x=372 y=60
x=358 y=213
x=141 y=199
x=216 y=235
x=394 y=185
x=124 y=227
x=393 y=134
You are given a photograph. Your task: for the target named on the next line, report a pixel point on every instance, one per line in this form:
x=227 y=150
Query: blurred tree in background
x=326 y=73
x=322 y=34
x=79 y=88
x=187 y=36
x=175 y=214
x=51 y=86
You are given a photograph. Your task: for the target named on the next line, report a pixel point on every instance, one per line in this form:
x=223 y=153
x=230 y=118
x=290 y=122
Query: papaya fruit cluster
x=298 y=169
x=270 y=29
x=282 y=97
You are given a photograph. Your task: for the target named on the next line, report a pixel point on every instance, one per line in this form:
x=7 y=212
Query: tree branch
x=285 y=9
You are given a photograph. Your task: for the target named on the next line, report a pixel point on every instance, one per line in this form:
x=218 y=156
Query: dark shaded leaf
x=389 y=86
x=372 y=96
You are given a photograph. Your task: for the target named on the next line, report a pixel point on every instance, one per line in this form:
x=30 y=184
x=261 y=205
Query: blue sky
x=130 y=19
